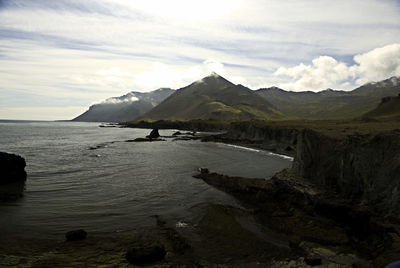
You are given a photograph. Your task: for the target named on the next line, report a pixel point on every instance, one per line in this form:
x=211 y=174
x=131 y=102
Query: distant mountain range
x=214 y=97
x=124 y=108
x=331 y=104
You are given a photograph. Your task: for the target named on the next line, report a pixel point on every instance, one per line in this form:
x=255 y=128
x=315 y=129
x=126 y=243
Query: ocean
x=84 y=176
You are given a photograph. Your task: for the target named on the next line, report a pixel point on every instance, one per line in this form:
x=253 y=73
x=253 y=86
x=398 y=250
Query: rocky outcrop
x=12 y=176
x=153 y=134
x=256 y=132
x=279 y=139
x=361 y=169
x=191 y=125
x=12 y=168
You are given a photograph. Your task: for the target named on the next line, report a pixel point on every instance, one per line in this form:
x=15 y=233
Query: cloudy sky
x=59 y=57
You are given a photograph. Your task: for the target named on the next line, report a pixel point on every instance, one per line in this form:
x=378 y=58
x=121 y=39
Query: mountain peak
x=214 y=79
x=213 y=75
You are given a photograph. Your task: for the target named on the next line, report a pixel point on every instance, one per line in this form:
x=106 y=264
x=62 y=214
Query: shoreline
x=297 y=218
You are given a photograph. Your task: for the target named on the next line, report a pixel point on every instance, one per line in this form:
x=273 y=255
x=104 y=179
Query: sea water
x=84 y=176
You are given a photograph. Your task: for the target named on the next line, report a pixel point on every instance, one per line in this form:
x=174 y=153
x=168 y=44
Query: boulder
x=153 y=134
x=76 y=235
x=204 y=170
x=145 y=254
x=12 y=168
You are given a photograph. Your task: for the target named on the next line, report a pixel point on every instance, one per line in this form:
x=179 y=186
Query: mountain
x=387 y=110
x=213 y=97
x=331 y=104
x=124 y=108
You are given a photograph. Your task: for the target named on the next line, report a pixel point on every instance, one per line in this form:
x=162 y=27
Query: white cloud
x=379 y=63
x=102 y=48
x=129 y=98
x=326 y=71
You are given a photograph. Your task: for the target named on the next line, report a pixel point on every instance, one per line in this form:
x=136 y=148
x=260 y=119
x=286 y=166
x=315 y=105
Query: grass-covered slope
x=387 y=110
x=213 y=97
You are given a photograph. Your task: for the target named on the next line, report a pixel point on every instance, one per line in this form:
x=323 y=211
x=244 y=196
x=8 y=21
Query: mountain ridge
x=331 y=104
x=124 y=108
x=213 y=97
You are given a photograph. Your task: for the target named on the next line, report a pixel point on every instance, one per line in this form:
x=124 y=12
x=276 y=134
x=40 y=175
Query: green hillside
x=387 y=110
x=331 y=104
x=215 y=98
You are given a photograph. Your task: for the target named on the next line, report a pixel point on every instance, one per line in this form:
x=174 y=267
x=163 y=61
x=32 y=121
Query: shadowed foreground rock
x=12 y=176
x=12 y=168
x=145 y=254
x=301 y=210
x=76 y=235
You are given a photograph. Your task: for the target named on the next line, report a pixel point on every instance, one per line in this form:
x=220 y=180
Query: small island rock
x=153 y=134
x=76 y=235
x=12 y=168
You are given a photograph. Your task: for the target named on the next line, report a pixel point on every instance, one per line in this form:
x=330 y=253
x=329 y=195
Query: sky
x=59 y=57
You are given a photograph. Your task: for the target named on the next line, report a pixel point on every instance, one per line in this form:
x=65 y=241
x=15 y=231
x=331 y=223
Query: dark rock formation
x=76 y=235
x=363 y=169
x=203 y=170
x=197 y=124
x=12 y=168
x=13 y=176
x=278 y=139
x=153 y=134
x=292 y=206
x=145 y=254
x=144 y=140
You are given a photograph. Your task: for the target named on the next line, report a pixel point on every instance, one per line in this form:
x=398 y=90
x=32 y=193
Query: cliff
x=362 y=169
x=358 y=163
x=342 y=191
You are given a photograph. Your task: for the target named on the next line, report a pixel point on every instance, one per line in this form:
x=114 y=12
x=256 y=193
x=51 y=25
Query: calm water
x=118 y=186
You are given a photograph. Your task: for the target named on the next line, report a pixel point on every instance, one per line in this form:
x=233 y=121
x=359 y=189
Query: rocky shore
x=13 y=176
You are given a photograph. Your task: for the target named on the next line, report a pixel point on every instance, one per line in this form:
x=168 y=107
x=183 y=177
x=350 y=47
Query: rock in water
x=153 y=134
x=12 y=168
x=204 y=170
x=145 y=254
x=313 y=261
x=76 y=235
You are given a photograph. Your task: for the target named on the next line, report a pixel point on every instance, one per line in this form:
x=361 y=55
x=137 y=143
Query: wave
x=259 y=151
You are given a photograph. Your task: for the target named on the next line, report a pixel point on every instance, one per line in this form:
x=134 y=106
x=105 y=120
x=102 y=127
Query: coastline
x=292 y=220
x=337 y=162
